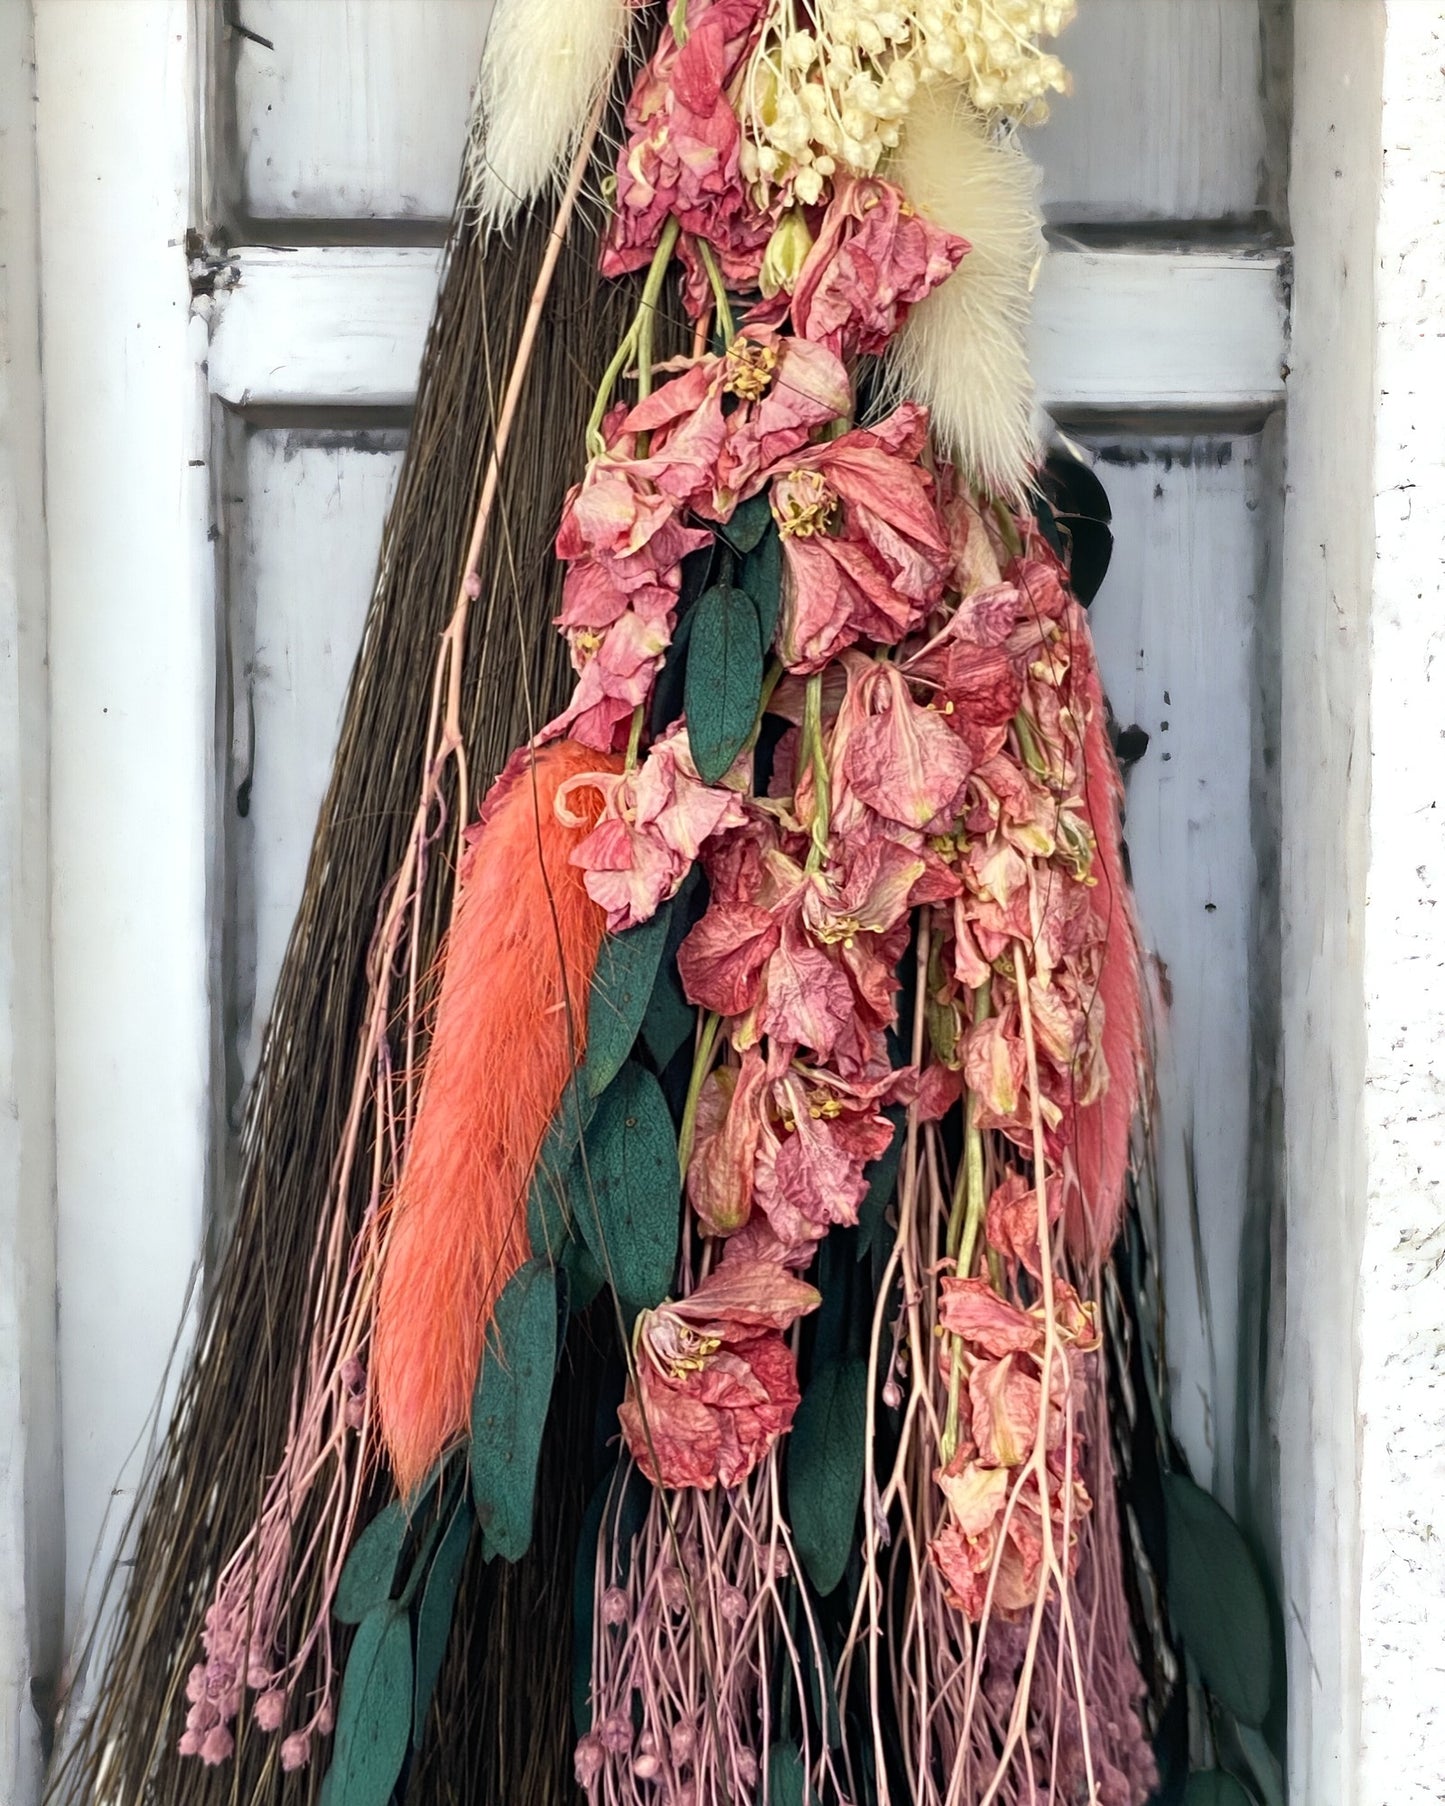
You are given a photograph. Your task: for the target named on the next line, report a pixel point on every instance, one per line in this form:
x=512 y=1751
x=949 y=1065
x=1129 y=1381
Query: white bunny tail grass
x=544 y=65
x=964 y=351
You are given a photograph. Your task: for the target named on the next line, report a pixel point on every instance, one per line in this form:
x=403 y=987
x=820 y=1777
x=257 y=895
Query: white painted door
x=1159 y=347
x=220 y=463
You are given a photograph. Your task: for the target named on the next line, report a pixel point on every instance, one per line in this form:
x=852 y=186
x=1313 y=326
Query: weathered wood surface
x=1144 y=331
x=355 y=109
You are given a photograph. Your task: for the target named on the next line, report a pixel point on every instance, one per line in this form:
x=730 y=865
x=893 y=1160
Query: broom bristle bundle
x=510 y=1027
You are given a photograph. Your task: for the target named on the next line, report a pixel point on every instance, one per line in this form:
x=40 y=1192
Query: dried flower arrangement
x=785 y=1015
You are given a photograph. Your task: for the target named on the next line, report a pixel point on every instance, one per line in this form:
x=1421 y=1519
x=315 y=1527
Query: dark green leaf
x=373 y=1721
x=585 y=1279
x=1212 y=1787
x=434 y=1616
x=787 y=1780
x=509 y=1408
x=670 y=1019
x=1077 y=508
x=549 y=1213
x=761 y=575
x=882 y=1182
x=724 y=679
x=750 y=520
x=630 y=1202
x=667 y=690
x=370 y=1572
x=623 y=981
x=824 y=1704
x=825 y=1469
x=1217 y=1599
x=1263 y=1763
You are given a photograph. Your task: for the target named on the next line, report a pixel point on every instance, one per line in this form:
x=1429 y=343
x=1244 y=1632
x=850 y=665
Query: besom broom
x=765 y=1073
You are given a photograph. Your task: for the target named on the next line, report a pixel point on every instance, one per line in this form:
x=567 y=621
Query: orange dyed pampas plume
x=1101 y=1143
x=510 y=1026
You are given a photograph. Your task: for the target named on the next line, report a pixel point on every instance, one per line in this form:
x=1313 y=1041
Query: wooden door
x=325 y=137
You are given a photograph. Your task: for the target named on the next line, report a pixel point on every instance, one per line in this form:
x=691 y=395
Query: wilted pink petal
x=716 y=1384
x=721 y=961
x=975 y=1495
x=903 y=761
x=680 y=154
x=1011 y=1224
x=729 y=1123
x=971 y=1309
x=995 y=1070
x=874 y=257
x=746 y=1295
x=939 y=1090
x=807 y=998
x=653 y=825
x=864 y=551
x=1004 y=1399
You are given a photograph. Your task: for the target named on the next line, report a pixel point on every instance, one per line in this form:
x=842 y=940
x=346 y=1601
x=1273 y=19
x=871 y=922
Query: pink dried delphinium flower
x=716 y=1383
x=680 y=154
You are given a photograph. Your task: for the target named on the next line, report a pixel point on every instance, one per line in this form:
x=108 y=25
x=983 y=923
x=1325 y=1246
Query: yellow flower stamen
x=807 y=505
x=750 y=369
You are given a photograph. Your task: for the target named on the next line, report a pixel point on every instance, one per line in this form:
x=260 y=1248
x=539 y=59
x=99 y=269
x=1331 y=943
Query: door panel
x=303 y=527
x=355 y=109
x=1183 y=627
x=1167 y=120
x=352 y=113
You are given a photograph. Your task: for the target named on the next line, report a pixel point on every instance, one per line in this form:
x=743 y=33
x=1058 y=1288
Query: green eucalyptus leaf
x=823 y=1704
x=761 y=575
x=724 y=680
x=825 y=1469
x=621 y=986
x=509 y=1408
x=1217 y=1599
x=550 y=1227
x=1213 y=1787
x=434 y=1615
x=585 y=1279
x=670 y=1020
x=370 y=1571
x=787 y=1779
x=1263 y=1763
x=630 y=1205
x=373 y=1720
x=750 y=520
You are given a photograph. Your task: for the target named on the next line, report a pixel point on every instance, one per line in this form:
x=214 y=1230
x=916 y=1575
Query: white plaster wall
x=1402 y=1268
x=30 y=1547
